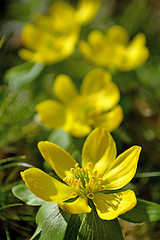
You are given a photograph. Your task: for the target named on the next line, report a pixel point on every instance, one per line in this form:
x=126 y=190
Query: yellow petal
x=51 y=113
x=117 y=35
x=110 y=120
x=77 y=128
x=86 y=51
x=80 y=205
x=136 y=52
x=63 y=15
x=123 y=169
x=57 y=158
x=108 y=97
x=30 y=36
x=45 y=186
x=29 y=55
x=100 y=149
x=104 y=92
x=95 y=81
x=64 y=88
x=96 y=39
x=87 y=9
x=94 y=47
x=110 y=206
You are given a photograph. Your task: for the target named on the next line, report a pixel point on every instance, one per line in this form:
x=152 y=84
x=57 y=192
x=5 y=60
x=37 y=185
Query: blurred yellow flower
x=96 y=105
x=113 y=49
x=86 y=10
x=53 y=37
x=100 y=171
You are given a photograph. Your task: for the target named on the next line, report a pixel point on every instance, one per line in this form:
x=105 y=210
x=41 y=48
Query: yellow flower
x=86 y=10
x=96 y=105
x=100 y=171
x=113 y=49
x=53 y=37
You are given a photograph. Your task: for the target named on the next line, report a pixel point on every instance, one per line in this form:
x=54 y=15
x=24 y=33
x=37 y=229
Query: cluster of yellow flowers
x=51 y=39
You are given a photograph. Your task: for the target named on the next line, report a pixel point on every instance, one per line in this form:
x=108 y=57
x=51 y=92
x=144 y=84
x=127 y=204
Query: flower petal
x=96 y=40
x=51 y=113
x=64 y=88
x=100 y=149
x=57 y=158
x=30 y=36
x=123 y=169
x=95 y=81
x=77 y=128
x=110 y=120
x=110 y=206
x=94 y=47
x=117 y=35
x=87 y=10
x=136 y=52
x=45 y=186
x=80 y=205
x=97 y=85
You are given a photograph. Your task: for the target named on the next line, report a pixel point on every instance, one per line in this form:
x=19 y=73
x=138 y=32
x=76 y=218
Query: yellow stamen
x=90 y=195
x=84 y=182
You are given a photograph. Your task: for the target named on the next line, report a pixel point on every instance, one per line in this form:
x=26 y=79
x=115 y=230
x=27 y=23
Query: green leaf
x=95 y=228
x=25 y=195
x=147 y=174
x=36 y=237
x=144 y=211
x=61 y=138
x=55 y=224
x=51 y=222
x=23 y=74
x=136 y=18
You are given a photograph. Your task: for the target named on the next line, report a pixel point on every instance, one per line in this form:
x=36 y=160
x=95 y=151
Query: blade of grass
x=19 y=164
x=147 y=174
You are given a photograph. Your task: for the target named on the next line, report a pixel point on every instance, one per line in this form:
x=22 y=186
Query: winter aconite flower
x=53 y=37
x=101 y=170
x=96 y=105
x=113 y=49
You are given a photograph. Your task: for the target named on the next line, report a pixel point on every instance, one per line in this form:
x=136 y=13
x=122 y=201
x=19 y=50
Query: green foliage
x=16 y=112
x=144 y=211
x=13 y=215
x=55 y=224
x=25 y=195
x=61 y=138
x=24 y=84
x=23 y=74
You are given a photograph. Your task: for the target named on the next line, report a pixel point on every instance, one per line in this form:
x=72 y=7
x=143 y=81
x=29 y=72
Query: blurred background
x=19 y=94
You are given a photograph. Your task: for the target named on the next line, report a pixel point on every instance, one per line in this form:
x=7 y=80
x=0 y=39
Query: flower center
x=82 y=109
x=84 y=181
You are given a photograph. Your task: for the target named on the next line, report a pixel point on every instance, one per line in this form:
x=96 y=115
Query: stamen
x=65 y=179
x=73 y=195
x=76 y=165
x=84 y=181
x=90 y=195
x=89 y=166
x=100 y=179
x=72 y=170
x=102 y=187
